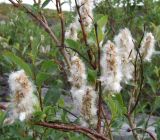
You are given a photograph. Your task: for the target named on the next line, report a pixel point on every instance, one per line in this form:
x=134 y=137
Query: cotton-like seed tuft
x=88 y=108
x=23 y=100
x=86 y=7
x=147 y=47
x=127 y=53
x=111 y=68
x=77 y=76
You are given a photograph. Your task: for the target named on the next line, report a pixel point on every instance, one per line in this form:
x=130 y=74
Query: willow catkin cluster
x=78 y=75
x=111 y=68
x=89 y=109
x=84 y=97
x=86 y=13
x=127 y=53
x=23 y=100
x=147 y=47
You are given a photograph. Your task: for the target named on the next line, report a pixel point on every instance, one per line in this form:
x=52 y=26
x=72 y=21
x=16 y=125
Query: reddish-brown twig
x=146 y=131
x=75 y=128
x=89 y=51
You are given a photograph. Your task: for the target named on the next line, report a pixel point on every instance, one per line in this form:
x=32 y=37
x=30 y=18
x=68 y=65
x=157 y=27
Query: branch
x=107 y=123
x=141 y=74
x=99 y=82
x=89 y=51
x=59 y=11
x=74 y=128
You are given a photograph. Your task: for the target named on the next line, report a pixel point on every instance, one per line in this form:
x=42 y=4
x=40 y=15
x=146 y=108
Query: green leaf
x=116 y=105
x=102 y=21
x=52 y=96
x=71 y=43
x=156 y=103
x=39 y=116
x=2 y=117
x=45 y=3
x=41 y=77
x=152 y=83
x=61 y=102
x=92 y=76
x=19 y=62
x=49 y=66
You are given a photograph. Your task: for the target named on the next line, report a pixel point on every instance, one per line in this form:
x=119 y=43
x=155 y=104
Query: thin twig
x=146 y=131
x=107 y=124
x=89 y=51
x=99 y=82
x=141 y=74
x=68 y=112
x=60 y=13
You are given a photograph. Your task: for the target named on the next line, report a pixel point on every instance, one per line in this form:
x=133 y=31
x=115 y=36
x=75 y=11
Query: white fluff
x=77 y=75
x=71 y=32
x=22 y=116
x=77 y=95
x=84 y=100
x=111 y=68
x=86 y=12
x=147 y=47
x=127 y=53
x=23 y=100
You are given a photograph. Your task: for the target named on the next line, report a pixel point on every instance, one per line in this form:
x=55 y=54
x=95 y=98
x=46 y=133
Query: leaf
x=101 y=24
x=45 y=3
x=52 y=96
x=48 y=66
x=102 y=21
x=152 y=83
x=71 y=43
x=92 y=76
x=39 y=116
x=19 y=62
x=156 y=103
x=41 y=77
x=2 y=117
x=116 y=105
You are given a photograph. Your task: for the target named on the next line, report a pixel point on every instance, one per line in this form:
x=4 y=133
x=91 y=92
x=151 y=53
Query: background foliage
x=23 y=44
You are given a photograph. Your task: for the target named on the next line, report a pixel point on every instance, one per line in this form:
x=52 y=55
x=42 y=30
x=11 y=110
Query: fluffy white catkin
x=89 y=108
x=127 y=53
x=23 y=100
x=84 y=100
x=86 y=13
x=111 y=68
x=147 y=46
x=77 y=76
